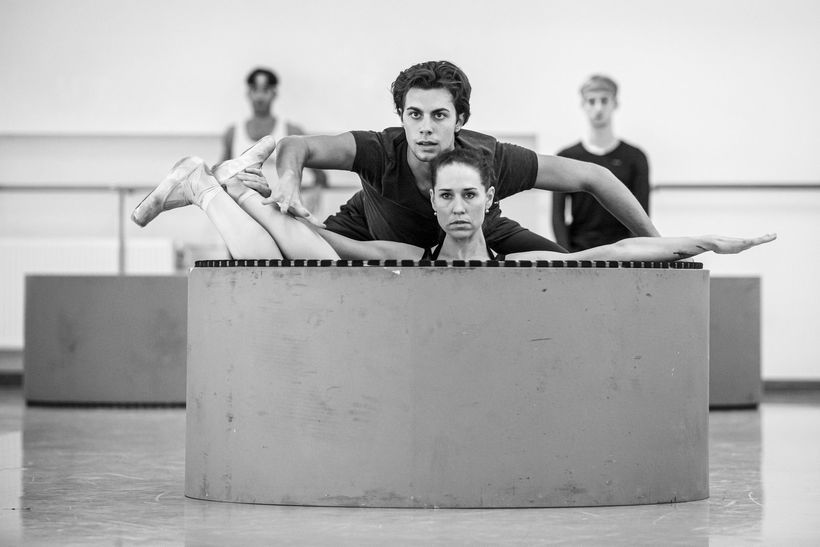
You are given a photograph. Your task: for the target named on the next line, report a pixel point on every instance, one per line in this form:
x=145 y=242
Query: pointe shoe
x=184 y=185
x=255 y=155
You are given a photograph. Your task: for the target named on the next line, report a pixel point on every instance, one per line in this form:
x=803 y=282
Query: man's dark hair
x=270 y=76
x=434 y=75
x=469 y=157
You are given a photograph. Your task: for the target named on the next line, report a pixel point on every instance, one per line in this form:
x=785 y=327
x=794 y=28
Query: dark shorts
x=503 y=235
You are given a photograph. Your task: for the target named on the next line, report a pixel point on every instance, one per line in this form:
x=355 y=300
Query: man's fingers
x=299 y=210
x=263 y=189
x=252 y=178
x=254 y=182
x=315 y=221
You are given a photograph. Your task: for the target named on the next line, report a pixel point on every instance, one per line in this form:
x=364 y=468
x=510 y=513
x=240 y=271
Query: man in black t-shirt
x=591 y=224
x=433 y=102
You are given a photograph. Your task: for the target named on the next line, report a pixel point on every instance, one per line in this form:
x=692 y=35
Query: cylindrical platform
x=411 y=386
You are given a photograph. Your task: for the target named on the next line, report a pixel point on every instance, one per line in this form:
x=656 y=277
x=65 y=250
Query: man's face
x=599 y=106
x=261 y=95
x=430 y=122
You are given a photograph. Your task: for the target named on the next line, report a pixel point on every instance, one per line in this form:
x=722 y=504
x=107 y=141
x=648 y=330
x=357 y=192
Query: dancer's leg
x=294 y=238
x=190 y=182
x=170 y=194
x=244 y=237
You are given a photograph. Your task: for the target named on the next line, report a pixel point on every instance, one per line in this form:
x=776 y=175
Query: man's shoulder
x=489 y=145
x=474 y=138
x=573 y=151
x=389 y=138
x=631 y=149
x=377 y=147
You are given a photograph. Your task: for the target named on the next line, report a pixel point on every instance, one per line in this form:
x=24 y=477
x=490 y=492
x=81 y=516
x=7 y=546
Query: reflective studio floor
x=114 y=476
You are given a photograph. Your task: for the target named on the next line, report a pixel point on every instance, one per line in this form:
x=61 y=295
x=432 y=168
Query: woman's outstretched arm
x=658 y=249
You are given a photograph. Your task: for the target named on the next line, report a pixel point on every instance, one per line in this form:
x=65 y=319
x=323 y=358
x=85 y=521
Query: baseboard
x=10 y=378
x=777 y=386
x=15 y=378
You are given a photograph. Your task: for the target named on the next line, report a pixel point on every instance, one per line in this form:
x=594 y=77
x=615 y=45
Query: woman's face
x=460 y=200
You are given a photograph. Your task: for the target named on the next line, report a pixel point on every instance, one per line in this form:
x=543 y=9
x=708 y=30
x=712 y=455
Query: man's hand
x=297 y=152
x=253 y=178
x=287 y=196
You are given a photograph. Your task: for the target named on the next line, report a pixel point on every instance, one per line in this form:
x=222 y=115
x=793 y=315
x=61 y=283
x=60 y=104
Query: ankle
x=236 y=189
x=205 y=197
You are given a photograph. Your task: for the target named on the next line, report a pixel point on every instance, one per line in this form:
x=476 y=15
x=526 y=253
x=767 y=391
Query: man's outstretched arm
x=559 y=174
x=298 y=152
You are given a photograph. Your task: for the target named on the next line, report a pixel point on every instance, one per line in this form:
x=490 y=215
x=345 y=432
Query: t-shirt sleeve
x=516 y=169
x=640 y=182
x=370 y=159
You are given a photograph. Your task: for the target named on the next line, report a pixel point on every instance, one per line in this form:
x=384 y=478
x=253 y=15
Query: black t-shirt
x=592 y=225
x=390 y=206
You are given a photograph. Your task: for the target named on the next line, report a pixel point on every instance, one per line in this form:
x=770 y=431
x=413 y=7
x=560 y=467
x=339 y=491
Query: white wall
x=713 y=90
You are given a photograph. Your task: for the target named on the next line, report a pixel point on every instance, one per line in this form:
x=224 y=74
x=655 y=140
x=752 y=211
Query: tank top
x=241 y=142
x=432 y=254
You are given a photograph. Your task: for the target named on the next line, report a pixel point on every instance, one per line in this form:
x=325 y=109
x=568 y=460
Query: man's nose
x=425 y=126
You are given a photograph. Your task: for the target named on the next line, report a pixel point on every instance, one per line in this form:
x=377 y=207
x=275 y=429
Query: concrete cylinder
x=408 y=386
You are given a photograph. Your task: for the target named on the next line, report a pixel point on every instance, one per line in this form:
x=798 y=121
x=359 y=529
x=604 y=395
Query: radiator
x=21 y=256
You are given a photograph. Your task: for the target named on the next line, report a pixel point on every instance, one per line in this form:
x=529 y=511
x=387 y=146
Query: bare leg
x=294 y=238
x=249 y=228
x=244 y=237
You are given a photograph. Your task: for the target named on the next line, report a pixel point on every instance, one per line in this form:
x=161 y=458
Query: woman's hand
x=732 y=245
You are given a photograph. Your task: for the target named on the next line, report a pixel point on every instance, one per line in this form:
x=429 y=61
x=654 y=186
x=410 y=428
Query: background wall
x=712 y=91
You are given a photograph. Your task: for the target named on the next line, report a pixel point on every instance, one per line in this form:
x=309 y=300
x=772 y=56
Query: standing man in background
x=592 y=225
x=263 y=85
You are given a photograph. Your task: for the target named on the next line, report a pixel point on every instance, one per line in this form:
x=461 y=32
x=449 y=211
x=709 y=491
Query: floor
x=114 y=476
